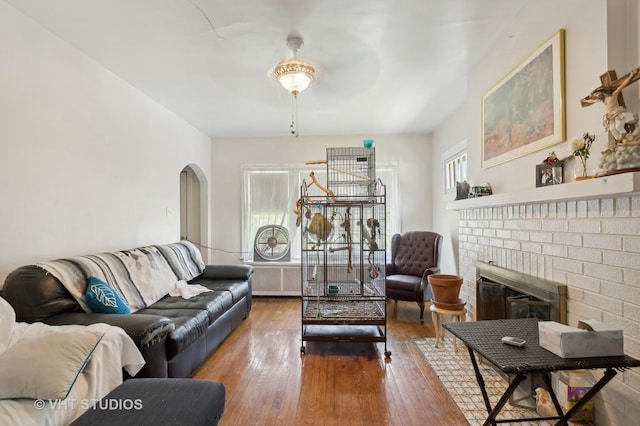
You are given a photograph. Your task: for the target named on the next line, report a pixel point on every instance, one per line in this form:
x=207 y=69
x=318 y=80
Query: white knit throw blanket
x=142 y=275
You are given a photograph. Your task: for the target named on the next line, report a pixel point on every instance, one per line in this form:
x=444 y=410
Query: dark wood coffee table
x=484 y=338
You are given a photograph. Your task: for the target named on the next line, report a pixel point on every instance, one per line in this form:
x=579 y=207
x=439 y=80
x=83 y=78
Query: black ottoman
x=158 y=402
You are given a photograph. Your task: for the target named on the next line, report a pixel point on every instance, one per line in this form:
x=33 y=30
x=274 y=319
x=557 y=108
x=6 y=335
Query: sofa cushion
x=103 y=299
x=190 y=325
x=227 y=272
x=26 y=373
x=238 y=289
x=215 y=303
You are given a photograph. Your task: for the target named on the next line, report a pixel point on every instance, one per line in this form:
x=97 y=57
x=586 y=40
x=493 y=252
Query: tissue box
x=572 y=342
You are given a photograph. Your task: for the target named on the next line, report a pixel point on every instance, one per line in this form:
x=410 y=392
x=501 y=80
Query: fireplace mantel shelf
x=613 y=186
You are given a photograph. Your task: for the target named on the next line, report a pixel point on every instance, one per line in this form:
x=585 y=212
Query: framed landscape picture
x=524 y=112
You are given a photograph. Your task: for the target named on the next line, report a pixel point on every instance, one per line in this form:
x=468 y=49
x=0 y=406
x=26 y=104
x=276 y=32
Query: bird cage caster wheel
x=387 y=354
x=302 y=350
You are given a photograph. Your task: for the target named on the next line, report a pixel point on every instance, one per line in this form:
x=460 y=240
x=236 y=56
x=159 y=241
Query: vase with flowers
x=580 y=148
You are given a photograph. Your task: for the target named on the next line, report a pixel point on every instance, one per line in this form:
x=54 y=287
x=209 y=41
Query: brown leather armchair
x=414 y=256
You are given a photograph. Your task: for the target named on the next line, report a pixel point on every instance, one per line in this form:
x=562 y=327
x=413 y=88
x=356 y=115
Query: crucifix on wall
x=621 y=124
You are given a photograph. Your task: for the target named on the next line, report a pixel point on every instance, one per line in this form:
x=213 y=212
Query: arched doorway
x=193 y=207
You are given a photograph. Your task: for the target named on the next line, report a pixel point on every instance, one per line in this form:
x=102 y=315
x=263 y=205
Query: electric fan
x=271 y=243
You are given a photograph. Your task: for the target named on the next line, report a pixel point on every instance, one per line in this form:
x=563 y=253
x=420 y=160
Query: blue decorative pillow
x=103 y=299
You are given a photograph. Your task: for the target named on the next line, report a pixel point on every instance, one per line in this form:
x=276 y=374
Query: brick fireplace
x=585 y=235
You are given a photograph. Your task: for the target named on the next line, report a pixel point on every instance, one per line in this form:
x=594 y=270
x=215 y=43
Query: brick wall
x=592 y=246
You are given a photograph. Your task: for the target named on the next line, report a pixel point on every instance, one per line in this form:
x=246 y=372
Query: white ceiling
x=384 y=66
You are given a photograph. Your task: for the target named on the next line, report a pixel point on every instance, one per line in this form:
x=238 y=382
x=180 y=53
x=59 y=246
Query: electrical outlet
x=169 y=212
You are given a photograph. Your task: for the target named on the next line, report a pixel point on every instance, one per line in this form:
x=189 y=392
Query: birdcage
x=343 y=252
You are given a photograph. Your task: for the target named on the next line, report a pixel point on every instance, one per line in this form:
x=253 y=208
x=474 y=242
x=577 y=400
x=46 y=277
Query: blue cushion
x=103 y=299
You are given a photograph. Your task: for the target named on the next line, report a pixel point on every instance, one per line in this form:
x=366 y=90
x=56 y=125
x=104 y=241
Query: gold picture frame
x=525 y=111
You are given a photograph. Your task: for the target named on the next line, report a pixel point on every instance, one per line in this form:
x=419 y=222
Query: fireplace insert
x=525 y=306
x=502 y=293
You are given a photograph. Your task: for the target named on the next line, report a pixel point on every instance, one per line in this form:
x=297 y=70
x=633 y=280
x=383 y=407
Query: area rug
x=455 y=371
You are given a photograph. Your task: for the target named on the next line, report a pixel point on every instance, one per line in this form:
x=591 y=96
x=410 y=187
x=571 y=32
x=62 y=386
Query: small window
x=455 y=170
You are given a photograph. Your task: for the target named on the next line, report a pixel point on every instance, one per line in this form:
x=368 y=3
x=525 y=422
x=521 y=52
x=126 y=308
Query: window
x=270 y=193
x=455 y=170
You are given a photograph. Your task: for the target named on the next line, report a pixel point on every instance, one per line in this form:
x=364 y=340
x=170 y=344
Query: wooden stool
x=456 y=315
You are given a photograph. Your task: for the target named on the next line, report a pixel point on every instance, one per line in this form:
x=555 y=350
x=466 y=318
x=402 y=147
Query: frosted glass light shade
x=294 y=74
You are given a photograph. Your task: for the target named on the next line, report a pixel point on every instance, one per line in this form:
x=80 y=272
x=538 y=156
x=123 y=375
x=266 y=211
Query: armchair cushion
x=403 y=282
x=414 y=252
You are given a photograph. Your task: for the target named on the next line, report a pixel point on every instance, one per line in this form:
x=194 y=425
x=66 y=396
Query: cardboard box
x=569 y=387
x=572 y=342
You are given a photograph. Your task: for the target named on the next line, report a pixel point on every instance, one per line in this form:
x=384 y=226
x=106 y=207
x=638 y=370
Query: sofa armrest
x=144 y=329
x=36 y=295
x=429 y=271
x=389 y=269
x=428 y=294
x=218 y=272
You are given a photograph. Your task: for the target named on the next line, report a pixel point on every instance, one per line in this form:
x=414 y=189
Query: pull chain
x=294 y=115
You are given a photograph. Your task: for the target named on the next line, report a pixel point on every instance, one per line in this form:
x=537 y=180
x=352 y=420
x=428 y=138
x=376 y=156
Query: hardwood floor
x=269 y=382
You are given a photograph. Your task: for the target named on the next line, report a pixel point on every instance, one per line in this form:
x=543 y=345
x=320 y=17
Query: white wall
x=449 y=139
x=411 y=152
x=87 y=162
x=585 y=60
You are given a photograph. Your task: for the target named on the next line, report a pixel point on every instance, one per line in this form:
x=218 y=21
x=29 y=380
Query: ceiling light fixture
x=294 y=75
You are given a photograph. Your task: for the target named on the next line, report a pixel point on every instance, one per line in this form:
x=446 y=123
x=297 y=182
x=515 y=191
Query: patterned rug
x=456 y=374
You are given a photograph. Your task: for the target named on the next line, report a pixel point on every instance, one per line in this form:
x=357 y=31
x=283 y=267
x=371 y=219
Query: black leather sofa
x=174 y=335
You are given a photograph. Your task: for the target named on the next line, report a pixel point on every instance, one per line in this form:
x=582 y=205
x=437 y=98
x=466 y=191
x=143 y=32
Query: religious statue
x=621 y=124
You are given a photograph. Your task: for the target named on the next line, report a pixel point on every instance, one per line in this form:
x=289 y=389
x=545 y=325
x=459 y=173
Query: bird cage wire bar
x=336 y=264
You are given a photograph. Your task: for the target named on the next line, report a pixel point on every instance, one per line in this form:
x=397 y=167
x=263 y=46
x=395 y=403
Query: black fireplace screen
x=503 y=293
x=497 y=301
x=491 y=300
x=524 y=306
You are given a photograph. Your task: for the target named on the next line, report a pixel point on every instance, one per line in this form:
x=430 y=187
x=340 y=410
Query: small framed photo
x=548 y=174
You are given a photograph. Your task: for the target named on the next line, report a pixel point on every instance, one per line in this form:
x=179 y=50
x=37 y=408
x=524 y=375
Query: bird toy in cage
x=346 y=224
x=374 y=225
x=314 y=181
x=298 y=212
x=320 y=226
